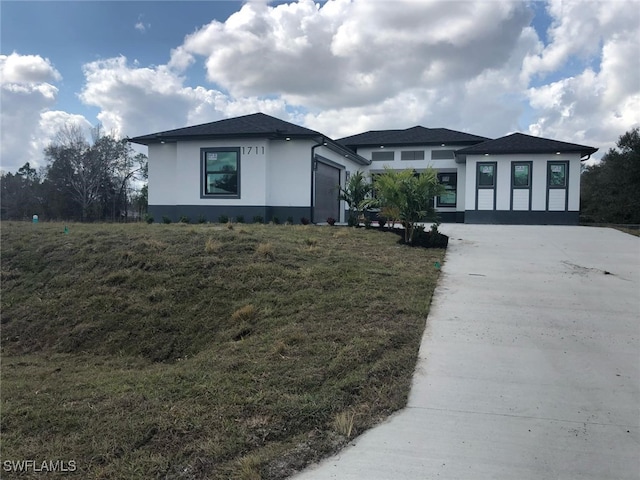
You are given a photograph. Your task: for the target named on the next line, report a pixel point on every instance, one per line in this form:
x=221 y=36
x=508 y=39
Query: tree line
x=610 y=190
x=101 y=179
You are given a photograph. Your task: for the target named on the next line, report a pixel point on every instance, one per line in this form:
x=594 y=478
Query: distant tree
x=20 y=195
x=95 y=177
x=610 y=190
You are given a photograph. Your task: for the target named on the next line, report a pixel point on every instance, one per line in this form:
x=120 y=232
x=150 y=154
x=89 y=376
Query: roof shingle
x=256 y=124
x=521 y=143
x=417 y=135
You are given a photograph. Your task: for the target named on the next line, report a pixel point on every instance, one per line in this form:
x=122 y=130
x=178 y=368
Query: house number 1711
x=250 y=150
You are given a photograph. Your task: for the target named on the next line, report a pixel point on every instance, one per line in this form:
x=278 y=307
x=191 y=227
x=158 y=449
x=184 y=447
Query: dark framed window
x=450 y=182
x=486 y=175
x=220 y=172
x=521 y=175
x=557 y=174
x=412 y=155
x=443 y=154
x=385 y=156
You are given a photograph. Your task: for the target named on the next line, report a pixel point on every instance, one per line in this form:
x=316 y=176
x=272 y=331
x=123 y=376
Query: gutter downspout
x=313 y=168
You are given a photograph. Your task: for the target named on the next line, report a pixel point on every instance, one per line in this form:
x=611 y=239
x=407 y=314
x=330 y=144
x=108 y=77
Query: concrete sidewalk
x=529 y=367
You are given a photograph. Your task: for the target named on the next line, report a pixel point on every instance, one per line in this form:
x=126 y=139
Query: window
x=412 y=155
x=443 y=154
x=382 y=156
x=486 y=175
x=521 y=175
x=450 y=182
x=557 y=174
x=220 y=172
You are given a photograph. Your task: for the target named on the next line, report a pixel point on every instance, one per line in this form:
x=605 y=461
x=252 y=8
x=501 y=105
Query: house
x=260 y=166
x=250 y=166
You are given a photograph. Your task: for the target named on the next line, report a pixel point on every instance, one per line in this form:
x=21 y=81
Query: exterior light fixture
x=443 y=145
x=486 y=154
x=288 y=139
x=381 y=146
x=557 y=153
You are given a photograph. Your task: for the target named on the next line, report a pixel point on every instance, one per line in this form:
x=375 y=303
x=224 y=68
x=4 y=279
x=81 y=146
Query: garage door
x=326 y=205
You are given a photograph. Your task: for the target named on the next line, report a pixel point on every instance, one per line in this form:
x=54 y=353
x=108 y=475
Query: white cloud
x=354 y=53
x=601 y=102
x=28 y=123
x=26 y=69
x=138 y=100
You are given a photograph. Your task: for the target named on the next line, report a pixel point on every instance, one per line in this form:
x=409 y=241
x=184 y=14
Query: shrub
x=305 y=221
x=275 y=220
x=202 y=219
x=184 y=219
x=258 y=219
x=357 y=195
x=166 y=219
x=382 y=221
x=331 y=221
x=240 y=219
x=223 y=219
x=367 y=222
x=289 y=220
x=148 y=218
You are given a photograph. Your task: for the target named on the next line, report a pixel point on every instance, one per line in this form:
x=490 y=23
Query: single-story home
x=260 y=166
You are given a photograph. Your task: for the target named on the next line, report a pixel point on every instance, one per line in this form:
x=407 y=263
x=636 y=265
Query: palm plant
x=357 y=195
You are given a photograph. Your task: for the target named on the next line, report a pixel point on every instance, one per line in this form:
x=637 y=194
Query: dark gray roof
x=411 y=136
x=521 y=143
x=258 y=125
x=254 y=125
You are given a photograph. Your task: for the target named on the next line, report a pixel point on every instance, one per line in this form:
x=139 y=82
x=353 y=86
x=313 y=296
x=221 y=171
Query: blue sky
x=560 y=69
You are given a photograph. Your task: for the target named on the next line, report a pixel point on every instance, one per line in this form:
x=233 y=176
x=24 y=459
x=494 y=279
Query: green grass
x=198 y=351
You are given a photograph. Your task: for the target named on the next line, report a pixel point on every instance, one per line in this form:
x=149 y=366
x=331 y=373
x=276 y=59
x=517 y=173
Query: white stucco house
x=260 y=166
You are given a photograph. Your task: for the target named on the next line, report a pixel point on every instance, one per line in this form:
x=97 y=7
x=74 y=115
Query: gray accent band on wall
x=507 y=217
x=212 y=213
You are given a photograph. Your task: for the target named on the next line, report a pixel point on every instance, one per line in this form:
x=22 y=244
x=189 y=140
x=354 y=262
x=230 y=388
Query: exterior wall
x=162 y=173
x=253 y=168
x=446 y=214
x=538 y=212
x=288 y=173
x=275 y=180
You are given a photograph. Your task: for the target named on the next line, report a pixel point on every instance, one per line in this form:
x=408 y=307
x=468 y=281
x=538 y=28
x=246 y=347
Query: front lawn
x=199 y=351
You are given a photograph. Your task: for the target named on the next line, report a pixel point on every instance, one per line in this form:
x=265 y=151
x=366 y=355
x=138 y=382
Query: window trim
x=550 y=163
x=487 y=187
x=529 y=166
x=495 y=174
x=393 y=156
x=203 y=171
x=413 y=154
x=565 y=187
x=529 y=187
x=439 y=203
x=449 y=151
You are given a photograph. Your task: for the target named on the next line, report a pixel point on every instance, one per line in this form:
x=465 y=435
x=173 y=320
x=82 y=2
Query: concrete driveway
x=529 y=366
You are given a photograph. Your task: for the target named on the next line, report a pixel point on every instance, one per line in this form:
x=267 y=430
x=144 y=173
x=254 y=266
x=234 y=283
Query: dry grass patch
x=212 y=245
x=265 y=250
x=343 y=423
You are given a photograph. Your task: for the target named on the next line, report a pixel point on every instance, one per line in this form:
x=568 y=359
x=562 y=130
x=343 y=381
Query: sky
x=562 y=69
